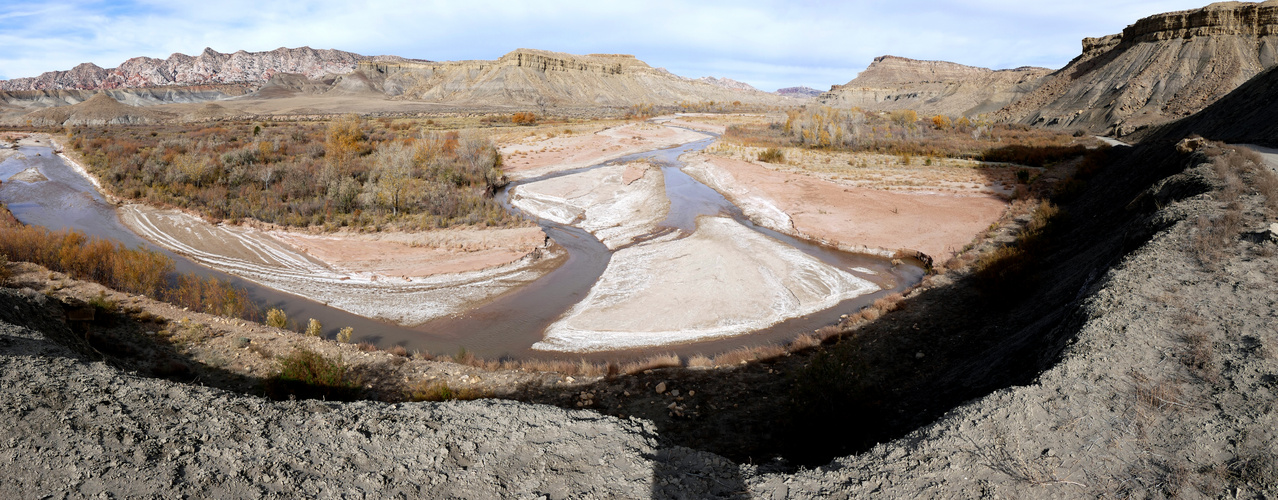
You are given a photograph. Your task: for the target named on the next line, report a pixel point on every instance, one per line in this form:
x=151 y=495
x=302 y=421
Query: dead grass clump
x=366 y=347
x=398 y=350
x=700 y=361
x=870 y=313
x=1163 y=395
x=652 y=363
x=1199 y=356
x=831 y=331
x=436 y=390
x=805 y=341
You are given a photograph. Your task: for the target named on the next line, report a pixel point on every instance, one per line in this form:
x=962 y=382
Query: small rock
x=918 y=355
x=675 y=393
x=661 y=387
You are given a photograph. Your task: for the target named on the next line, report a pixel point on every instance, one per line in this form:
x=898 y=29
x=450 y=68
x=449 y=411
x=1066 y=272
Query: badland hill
x=933 y=87
x=1161 y=68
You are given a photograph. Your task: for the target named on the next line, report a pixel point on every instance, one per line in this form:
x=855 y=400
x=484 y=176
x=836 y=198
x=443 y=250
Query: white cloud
x=766 y=43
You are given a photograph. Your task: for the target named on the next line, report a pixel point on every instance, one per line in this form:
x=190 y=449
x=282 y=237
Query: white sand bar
x=616 y=203
x=725 y=279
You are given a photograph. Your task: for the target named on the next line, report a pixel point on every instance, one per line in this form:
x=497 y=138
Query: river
x=505 y=327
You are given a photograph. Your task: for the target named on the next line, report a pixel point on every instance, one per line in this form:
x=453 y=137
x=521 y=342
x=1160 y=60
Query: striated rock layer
x=539 y=78
x=210 y=67
x=1161 y=68
x=933 y=87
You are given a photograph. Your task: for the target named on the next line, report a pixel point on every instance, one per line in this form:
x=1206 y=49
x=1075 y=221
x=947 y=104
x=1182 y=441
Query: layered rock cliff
x=210 y=67
x=527 y=77
x=933 y=87
x=1161 y=68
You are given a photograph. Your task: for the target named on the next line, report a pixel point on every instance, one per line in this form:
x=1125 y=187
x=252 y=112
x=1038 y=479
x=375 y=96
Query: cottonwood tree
x=393 y=174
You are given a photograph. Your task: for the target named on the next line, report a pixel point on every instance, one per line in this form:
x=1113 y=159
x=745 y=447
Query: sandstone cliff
x=1161 y=68
x=933 y=87
x=528 y=77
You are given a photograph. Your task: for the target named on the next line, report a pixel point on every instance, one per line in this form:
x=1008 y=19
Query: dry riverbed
x=533 y=156
x=847 y=214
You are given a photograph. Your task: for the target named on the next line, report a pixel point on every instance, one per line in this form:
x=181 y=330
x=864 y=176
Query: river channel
x=505 y=327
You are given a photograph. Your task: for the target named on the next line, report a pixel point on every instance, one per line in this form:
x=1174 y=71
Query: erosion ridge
x=933 y=87
x=1159 y=69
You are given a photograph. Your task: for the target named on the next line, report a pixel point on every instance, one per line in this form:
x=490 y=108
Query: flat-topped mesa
x=1160 y=68
x=210 y=67
x=539 y=78
x=933 y=87
x=1222 y=18
x=893 y=69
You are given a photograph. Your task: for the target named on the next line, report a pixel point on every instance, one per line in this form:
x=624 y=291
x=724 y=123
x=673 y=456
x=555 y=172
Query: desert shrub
x=344 y=335
x=277 y=318
x=304 y=174
x=102 y=303
x=213 y=296
x=93 y=259
x=523 y=118
x=435 y=390
x=313 y=328
x=772 y=155
x=898 y=133
x=307 y=374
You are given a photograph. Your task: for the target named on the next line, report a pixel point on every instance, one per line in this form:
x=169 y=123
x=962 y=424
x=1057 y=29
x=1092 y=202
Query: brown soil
x=936 y=224
x=417 y=254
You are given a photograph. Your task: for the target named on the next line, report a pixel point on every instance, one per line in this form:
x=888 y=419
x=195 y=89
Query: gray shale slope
x=78 y=428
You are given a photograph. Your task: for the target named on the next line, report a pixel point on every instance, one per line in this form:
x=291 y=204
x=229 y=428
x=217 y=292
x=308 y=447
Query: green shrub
x=307 y=374
x=276 y=318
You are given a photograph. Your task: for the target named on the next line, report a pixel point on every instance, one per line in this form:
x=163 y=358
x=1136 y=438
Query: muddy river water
x=506 y=326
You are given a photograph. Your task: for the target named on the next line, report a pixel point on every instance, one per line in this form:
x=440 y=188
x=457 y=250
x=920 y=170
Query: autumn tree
x=344 y=139
x=392 y=174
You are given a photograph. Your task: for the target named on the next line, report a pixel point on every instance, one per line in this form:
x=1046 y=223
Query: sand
x=725 y=279
x=370 y=276
x=936 y=224
x=533 y=156
x=616 y=203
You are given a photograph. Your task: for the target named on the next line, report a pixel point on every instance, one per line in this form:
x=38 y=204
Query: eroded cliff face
x=933 y=87
x=527 y=77
x=210 y=67
x=1159 y=69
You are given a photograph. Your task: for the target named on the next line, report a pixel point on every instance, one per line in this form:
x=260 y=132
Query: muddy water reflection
x=507 y=325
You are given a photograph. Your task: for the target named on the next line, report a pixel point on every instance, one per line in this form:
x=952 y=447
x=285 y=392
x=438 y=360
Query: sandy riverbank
x=936 y=224
x=530 y=156
x=395 y=277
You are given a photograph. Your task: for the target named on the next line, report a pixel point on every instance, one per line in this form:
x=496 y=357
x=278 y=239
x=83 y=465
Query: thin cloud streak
x=768 y=44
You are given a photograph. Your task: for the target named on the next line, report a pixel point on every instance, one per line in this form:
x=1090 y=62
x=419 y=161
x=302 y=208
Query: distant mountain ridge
x=209 y=67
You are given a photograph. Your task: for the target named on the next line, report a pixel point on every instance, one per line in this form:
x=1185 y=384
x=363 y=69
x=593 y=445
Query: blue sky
x=768 y=44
